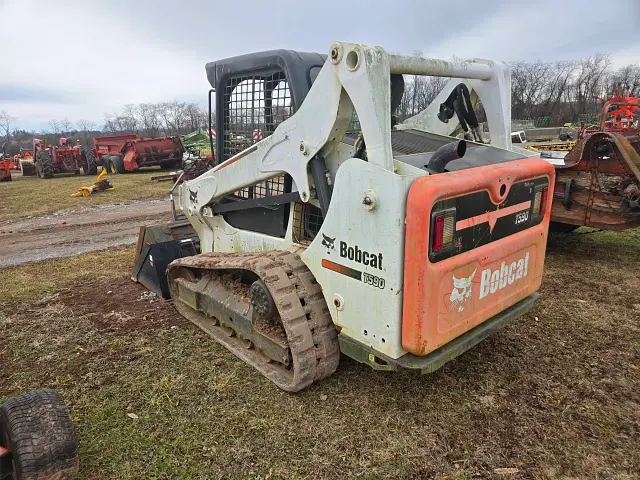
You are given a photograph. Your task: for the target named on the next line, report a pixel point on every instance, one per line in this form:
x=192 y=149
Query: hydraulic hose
x=459 y=101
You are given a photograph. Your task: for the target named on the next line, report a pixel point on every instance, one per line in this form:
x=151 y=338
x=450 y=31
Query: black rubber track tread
x=44 y=158
x=311 y=335
x=36 y=427
x=91 y=167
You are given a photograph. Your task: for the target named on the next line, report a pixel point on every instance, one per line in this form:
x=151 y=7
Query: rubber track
x=311 y=335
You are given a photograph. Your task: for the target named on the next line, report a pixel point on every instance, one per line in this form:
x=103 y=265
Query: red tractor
x=64 y=158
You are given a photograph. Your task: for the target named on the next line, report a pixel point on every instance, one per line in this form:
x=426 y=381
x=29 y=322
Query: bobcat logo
x=461 y=291
x=328 y=242
x=193 y=196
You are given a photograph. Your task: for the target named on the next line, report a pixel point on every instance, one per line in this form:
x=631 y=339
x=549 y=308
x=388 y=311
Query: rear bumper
x=436 y=359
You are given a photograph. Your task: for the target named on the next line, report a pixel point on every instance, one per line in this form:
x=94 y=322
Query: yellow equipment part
x=100 y=185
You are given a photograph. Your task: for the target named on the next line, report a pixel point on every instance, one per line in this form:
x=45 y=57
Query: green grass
x=554 y=395
x=26 y=196
x=30 y=281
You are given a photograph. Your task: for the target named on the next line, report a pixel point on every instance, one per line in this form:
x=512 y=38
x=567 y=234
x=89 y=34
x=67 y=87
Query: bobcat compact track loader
x=397 y=247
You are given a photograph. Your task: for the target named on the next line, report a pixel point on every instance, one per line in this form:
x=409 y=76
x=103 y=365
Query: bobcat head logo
x=461 y=291
x=193 y=196
x=328 y=242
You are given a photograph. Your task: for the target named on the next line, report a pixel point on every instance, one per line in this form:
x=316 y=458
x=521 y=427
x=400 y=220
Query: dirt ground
x=555 y=395
x=77 y=231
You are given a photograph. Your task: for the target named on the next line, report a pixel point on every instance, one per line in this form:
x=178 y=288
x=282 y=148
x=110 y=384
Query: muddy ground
x=71 y=232
x=555 y=395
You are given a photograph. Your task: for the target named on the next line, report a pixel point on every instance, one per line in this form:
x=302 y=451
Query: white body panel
x=370 y=314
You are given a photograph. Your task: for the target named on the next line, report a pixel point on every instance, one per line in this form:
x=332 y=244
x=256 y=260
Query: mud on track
x=71 y=232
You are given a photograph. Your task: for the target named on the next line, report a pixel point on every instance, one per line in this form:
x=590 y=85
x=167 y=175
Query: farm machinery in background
x=199 y=157
x=128 y=153
x=619 y=113
x=8 y=162
x=197 y=143
x=63 y=158
x=598 y=180
x=597 y=169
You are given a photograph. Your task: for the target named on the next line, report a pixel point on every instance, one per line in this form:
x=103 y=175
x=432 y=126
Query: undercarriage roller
x=265 y=308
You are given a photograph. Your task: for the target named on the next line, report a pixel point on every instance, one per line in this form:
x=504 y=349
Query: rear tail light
x=438 y=234
x=540 y=201
x=543 y=200
x=443 y=227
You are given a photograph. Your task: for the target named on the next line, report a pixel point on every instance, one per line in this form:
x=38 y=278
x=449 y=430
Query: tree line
x=560 y=92
x=144 y=119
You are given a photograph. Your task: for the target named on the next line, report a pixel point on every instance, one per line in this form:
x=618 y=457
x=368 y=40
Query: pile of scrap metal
x=192 y=167
x=598 y=168
x=598 y=180
x=197 y=157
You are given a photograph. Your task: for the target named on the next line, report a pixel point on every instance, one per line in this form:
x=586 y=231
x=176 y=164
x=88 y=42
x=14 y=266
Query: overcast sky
x=83 y=58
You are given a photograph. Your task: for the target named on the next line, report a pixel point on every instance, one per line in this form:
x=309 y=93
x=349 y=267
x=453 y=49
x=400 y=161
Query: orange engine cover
x=496 y=256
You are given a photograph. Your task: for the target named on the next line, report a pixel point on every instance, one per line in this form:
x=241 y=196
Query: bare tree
x=558 y=84
x=558 y=91
x=86 y=126
x=528 y=82
x=589 y=83
x=419 y=92
x=54 y=126
x=128 y=118
x=196 y=117
x=148 y=118
x=65 y=126
x=627 y=77
x=6 y=121
x=173 y=115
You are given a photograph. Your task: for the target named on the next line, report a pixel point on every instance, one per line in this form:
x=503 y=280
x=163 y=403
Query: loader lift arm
x=356 y=78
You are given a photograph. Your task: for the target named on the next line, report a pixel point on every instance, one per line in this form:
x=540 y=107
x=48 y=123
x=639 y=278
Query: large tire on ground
x=116 y=165
x=44 y=164
x=28 y=168
x=6 y=179
x=105 y=162
x=91 y=166
x=36 y=428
